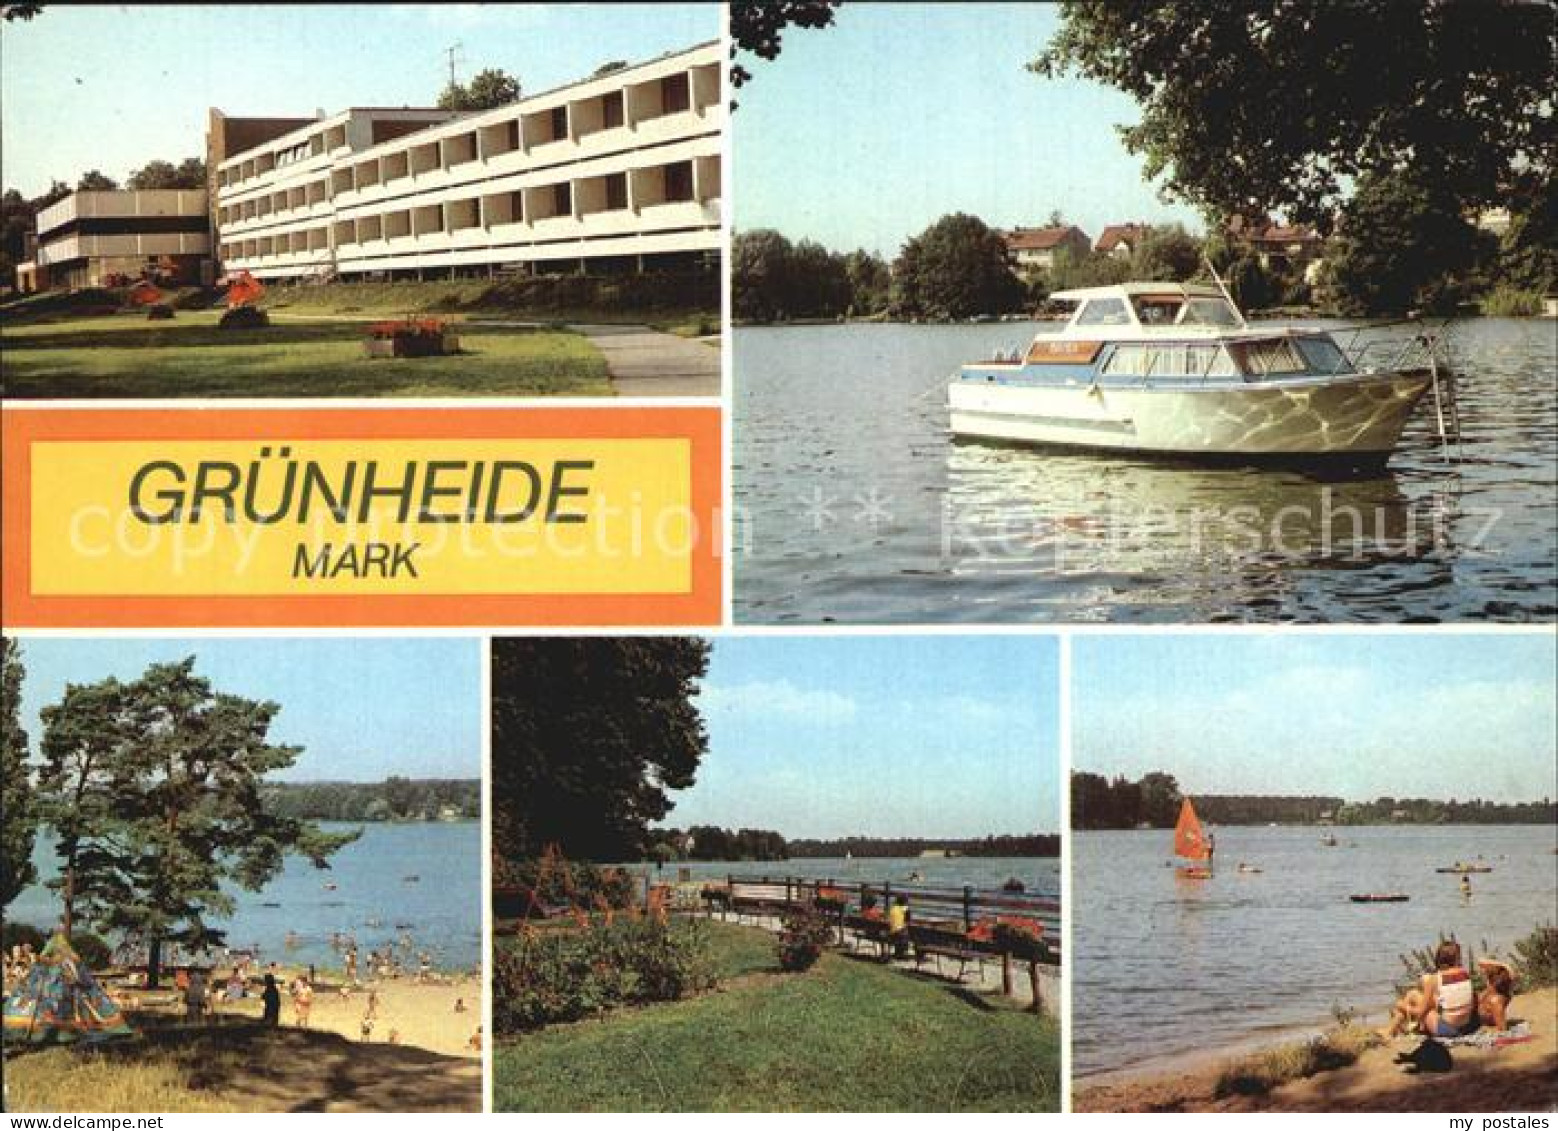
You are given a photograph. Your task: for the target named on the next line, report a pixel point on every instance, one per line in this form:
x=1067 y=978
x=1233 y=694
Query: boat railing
x=1425 y=350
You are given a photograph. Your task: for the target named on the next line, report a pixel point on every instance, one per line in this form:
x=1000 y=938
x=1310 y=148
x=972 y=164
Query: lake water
x=1164 y=967
x=854 y=505
x=442 y=911
x=1040 y=875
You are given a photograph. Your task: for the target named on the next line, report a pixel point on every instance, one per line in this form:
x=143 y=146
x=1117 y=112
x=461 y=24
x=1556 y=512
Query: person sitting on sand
x=1444 y=1005
x=1493 y=1001
x=475 y=1041
x=270 y=998
x=366 y=1028
x=459 y=1005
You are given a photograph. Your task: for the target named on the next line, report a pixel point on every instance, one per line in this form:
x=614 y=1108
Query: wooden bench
x=756 y=899
x=937 y=941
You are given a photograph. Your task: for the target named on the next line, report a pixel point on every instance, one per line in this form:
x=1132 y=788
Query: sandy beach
x=1521 y=1077
x=419 y=1015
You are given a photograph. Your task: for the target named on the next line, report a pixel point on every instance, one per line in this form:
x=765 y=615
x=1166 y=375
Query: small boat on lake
x=1387 y=897
x=1192 y=843
x=1329 y=841
x=1465 y=870
x=1174 y=370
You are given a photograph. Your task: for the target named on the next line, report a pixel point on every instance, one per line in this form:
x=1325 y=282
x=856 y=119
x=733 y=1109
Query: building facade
x=617 y=172
x=95 y=239
x=1035 y=249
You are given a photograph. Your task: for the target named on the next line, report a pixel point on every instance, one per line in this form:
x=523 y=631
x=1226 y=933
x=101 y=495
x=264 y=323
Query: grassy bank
x=127 y=356
x=237 y=1067
x=848 y=1035
x=675 y=304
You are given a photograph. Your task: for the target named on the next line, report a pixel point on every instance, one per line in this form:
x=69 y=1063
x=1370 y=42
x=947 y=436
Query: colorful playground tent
x=60 y=1000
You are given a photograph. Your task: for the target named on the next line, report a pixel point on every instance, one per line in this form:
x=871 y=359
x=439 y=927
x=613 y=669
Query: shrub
x=159 y=312
x=1260 y=1072
x=559 y=882
x=92 y=949
x=802 y=935
x=196 y=299
x=243 y=318
x=553 y=976
x=1511 y=302
x=1536 y=958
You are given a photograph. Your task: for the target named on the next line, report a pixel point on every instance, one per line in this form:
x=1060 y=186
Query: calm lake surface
x=854 y=505
x=1040 y=875
x=1164 y=967
x=442 y=910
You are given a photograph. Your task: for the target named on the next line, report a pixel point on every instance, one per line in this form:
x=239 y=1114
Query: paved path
x=646 y=363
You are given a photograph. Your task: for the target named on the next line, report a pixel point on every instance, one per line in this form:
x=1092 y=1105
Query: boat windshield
x=1323 y=354
x=1208 y=312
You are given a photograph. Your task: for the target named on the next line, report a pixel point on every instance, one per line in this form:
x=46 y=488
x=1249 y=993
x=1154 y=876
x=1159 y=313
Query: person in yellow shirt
x=898 y=927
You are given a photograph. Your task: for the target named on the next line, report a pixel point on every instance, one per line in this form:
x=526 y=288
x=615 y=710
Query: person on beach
x=195 y=997
x=302 y=1001
x=270 y=998
x=1493 y=1002
x=1444 y=1004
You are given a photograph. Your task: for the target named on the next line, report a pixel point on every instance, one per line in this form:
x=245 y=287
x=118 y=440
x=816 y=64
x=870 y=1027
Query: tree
x=870 y=281
x=188 y=174
x=1404 y=244
x=1160 y=798
x=819 y=282
x=21 y=819
x=155 y=790
x=402 y=796
x=588 y=737
x=956 y=268
x=11 y=12
x=1167 y=252
x=760 y=275
x=95 y=181
x=757 y=27
x=490 y=89
x=1528 y=252
x=1279 y=104
x=610 y=68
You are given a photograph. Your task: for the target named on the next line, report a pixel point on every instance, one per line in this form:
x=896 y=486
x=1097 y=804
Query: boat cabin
x=1151 y=306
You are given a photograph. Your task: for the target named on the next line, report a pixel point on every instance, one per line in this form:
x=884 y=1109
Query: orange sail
x=1189 y=840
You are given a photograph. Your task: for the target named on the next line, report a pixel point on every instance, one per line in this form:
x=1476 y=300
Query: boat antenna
x=1243 y=325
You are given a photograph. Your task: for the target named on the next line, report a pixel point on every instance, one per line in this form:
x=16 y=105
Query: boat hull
x=1357 y=418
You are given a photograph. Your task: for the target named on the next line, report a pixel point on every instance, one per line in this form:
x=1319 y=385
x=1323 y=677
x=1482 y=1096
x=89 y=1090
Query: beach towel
x=1516 y=1034
x=60 y=1000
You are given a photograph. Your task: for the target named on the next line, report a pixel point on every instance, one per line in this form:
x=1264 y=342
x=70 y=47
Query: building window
x=616 y=192
x=678 y=181
x=562 y=199
x=611 y=110
x=676 y=93
x=559 y=123
x=514 y=135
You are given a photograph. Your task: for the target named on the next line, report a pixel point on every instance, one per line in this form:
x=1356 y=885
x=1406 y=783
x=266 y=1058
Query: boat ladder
x=1428 y=350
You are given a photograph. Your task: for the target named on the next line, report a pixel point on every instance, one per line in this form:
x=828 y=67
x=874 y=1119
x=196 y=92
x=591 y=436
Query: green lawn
x=127 y=356
x=848 y=1035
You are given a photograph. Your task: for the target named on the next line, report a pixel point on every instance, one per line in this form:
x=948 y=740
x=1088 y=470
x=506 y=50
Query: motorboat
x=1175 y=370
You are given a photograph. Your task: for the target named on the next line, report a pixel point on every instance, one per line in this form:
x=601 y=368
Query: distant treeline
x=1153 y=801
x=393 y=799
x=708 y=842
x=1036 y=844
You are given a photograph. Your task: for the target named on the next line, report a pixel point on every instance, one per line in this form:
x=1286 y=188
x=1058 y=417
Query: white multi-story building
x=94 y=238
x=618 y=170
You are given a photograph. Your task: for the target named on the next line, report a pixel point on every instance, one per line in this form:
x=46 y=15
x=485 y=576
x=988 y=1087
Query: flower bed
x=410 y=337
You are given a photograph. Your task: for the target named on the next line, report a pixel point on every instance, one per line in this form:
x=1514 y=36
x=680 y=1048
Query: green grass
x=1260 y=1072
x=127 y=356
x=553 y=301
x=848 y=1035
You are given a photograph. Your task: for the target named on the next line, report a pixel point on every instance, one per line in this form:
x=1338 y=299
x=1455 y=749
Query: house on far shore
x=1036 y=248
x=1280 y=247
x=1120 y=241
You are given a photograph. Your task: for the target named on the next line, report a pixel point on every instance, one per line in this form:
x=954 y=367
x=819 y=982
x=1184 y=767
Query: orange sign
x=362 y=517
x=1044 y=352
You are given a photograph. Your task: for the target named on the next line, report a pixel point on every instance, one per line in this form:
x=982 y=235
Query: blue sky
x=862 y=134
x=112 y=87
x=361 y=708
x=938 y=736
x=1355 y=716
